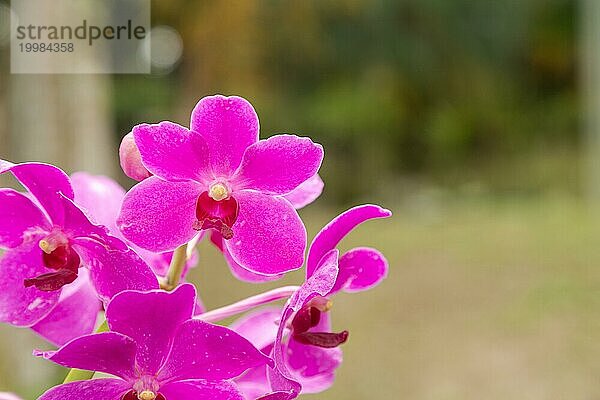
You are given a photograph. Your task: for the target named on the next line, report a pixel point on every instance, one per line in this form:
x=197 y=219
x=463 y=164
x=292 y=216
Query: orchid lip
x=59 y=256
x=219 y=215
x=143 y=395
x=309 y=317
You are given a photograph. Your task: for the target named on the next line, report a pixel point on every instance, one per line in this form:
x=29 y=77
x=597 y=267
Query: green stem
x=80 y=374
x=176 y=268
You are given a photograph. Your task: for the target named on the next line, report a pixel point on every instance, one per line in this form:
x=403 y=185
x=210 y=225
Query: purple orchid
x=307 y=360
x=48 y=239
x=218 y=176
x=156 y=352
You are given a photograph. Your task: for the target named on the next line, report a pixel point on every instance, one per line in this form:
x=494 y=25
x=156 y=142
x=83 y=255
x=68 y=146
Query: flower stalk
x=180 y=256
x=247 y=304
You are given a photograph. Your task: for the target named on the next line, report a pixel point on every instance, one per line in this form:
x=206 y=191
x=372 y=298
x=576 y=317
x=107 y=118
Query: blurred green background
x=465 y=117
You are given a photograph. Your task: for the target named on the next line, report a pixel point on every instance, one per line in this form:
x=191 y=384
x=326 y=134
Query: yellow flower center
x=147 y=395
x=218 y=192
x=46 y=246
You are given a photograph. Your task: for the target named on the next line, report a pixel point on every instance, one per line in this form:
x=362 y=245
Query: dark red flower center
x=144 y=395
x=216 y=212
x=309 y=317
x=59 y=257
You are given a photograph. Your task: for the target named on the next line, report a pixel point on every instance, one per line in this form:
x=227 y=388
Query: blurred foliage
x=390 y=87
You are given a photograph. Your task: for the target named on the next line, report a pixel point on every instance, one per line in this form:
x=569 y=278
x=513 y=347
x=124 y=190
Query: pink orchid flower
x=307 y=360
x=49 y=239
x=218 y=176
x=156 y=351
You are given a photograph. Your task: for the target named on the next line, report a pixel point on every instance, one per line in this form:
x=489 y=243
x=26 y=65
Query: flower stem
x=247 y=304
x=176 y=268
x=81 y=374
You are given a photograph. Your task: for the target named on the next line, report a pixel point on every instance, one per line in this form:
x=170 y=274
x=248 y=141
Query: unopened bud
x=131 y=159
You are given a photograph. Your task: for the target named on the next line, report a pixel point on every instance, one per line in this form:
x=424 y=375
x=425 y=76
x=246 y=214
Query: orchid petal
x=105 y=389
x=77 y=225
x=229 y=125
x=44 y=182
x=74 y=315
x=319 y=283
x=205 y=351
x=313 y=366
x=19 y=216
x=269 y=237
x=279 y=395
x=153 y=329
x=278 y=164
x=259 y=327
x=306 y=193
x=108 y=352
x=19 y=305
x=337 y=229
x=361 y=268
x=201 y=390
x=159 y=215
x=172 y=152
x=113 y=271
x=236 y=269
x=99 y=197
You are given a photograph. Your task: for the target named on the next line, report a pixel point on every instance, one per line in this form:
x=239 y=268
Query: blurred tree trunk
x=63 y=119
x=590 y=86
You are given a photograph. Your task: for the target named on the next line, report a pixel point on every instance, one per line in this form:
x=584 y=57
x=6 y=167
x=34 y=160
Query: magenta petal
x=77 y=225
x=44 y=182
x=159 y=215
x=113 y=271
x=105 y=389
x=236 y=269
x=108 y=352
x=205 y=351
x=269 y=237
x=339 y=227
x=151 y=319
x=19 y=305
x=259 y=327
x=360 y=269
x=19 y=217
x=75 y=314
x=278 y=164
x=172 y=152
x=313 y=366
x=229 y=125
x=279 y=395
x=306 y=193
x=201 y=390
x=319 y=283
x=99 y=197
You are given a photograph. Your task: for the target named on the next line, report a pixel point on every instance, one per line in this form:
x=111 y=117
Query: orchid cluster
x=100 y=273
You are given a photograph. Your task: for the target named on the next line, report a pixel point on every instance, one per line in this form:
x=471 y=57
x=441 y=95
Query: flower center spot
x=147 y=395
x=218 y=192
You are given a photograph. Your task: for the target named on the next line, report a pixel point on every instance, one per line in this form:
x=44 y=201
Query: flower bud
x=131 y=159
